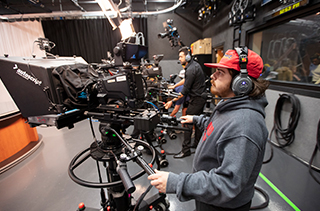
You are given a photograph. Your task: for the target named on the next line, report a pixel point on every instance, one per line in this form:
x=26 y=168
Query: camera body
x=124 y=89
x=57 y=91
x=31 y=85
x=172 y=33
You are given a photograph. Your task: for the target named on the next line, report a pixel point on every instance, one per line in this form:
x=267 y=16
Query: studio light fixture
x=112 y=12
x=126 y=29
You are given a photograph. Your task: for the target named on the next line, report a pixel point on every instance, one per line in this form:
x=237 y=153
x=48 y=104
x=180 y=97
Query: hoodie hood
x=244 y=102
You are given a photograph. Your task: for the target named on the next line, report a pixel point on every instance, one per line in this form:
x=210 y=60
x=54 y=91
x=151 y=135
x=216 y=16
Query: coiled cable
x=285 y=136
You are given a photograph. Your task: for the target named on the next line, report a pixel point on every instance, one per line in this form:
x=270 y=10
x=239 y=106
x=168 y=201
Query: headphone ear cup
x=188 y=57
x=241 y=85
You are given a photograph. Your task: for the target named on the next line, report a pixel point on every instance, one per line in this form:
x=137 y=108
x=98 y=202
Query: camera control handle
x=141 y=162
x=125 y=177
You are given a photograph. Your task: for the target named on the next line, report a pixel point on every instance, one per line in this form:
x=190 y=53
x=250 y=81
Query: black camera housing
x=57 y=91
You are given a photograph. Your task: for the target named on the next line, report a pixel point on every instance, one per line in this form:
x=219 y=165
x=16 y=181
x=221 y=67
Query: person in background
x=316 y=76
x=284 y=72
x=315 y=61
x=194 y=87
x=315 y=69
x=230 y=153
x=182 y=101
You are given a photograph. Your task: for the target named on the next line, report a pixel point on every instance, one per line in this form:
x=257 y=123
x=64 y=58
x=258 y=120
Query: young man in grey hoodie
x=230 y=153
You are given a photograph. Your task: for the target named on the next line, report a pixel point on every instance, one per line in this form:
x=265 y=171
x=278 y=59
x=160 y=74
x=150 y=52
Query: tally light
x=126 y=29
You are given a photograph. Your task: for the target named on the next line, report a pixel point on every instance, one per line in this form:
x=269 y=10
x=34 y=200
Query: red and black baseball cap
x=230 y=60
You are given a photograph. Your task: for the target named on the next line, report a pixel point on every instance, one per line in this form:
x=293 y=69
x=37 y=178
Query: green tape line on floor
x=279 y=192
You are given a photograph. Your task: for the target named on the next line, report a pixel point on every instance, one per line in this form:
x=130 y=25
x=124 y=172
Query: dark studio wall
x=188 y=28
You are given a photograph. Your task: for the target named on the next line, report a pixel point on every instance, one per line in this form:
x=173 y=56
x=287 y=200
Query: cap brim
x=215 y=65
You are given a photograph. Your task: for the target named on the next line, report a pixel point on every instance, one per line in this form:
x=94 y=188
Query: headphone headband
x=243 y=57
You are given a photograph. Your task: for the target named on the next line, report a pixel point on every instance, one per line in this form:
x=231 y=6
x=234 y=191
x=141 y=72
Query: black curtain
x=140 y=25
x=88 y=38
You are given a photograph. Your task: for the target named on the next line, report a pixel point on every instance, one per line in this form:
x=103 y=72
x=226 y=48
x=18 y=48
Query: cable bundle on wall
x=285 y=136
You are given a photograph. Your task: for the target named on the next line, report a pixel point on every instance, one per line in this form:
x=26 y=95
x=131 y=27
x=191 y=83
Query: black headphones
x=188 y=56
x=242 y=84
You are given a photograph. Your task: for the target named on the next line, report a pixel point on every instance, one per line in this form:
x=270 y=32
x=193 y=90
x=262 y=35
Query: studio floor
x=41 y=181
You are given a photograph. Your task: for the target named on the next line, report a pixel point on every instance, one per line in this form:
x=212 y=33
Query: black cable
x=286 y=134
x=264 y=204
x=317 y=147
x=271 y=152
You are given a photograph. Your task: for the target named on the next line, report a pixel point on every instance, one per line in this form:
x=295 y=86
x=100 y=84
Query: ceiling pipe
x=88 y=14
x=64 y=14
x=169 y=9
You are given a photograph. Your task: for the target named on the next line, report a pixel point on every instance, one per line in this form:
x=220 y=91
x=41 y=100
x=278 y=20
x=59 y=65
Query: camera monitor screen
x=135 y=52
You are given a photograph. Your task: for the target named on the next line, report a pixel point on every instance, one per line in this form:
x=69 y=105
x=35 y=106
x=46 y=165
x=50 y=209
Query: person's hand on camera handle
x=187 y=119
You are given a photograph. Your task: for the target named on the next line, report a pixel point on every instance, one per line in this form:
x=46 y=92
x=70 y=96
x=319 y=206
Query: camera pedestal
x=114 y=151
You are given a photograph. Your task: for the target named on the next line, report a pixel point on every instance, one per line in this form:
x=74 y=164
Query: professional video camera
x=62 y=87
x=172 y=34
x=153 y=70
x=60 y=91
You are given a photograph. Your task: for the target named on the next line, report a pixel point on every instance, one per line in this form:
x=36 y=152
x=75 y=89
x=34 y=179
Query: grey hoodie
x=228 y=158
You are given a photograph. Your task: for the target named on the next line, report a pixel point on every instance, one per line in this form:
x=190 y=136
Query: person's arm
x=175 y=110
x=169 y=103
x=187 y=119
x=221 y=184
x=180 y=83
x=201 y=121
x=159 y=180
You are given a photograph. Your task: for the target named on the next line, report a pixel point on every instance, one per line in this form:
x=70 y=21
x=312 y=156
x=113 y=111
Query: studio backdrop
x=88 y=38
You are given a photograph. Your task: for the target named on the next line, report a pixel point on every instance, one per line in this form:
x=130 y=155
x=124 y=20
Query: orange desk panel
x=15 y=134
